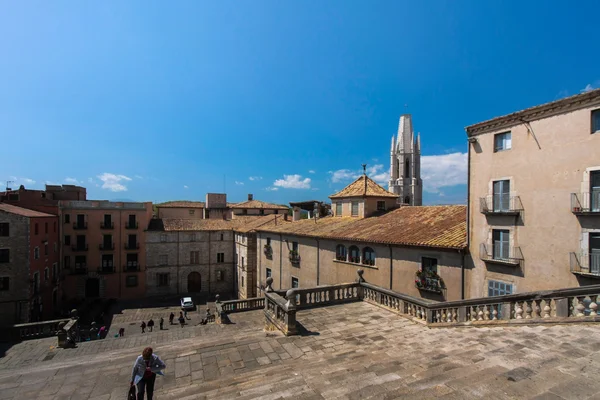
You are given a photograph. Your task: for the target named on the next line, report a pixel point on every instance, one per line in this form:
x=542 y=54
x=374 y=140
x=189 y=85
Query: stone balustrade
x=36 y=330
x=231 y=306
x=578 y=304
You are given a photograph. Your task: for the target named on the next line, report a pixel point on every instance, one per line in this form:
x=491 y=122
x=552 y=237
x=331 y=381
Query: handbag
x=131 y=394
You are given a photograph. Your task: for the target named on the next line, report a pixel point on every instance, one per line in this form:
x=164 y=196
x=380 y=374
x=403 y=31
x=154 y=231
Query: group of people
x=150 y=325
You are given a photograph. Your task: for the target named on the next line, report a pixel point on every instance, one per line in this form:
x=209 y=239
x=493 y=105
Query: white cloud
x=138 y=177
x=312 y=171
x=587 y=88
x=272 y=189
x=90 y=180
x=72 y=180
x=443 y=170
x=51 y=183
x=255 y=178
x=239 y=183
x=293 y=182
x=27 y=181
x=185 y=186
x=114 y=182
x=314 y=189
x=375 y=172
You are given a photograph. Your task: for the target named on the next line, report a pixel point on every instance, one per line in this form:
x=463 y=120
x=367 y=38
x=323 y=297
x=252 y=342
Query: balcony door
x=595 y=191
x=500 y=238
x=501 y=196
x=595 y=253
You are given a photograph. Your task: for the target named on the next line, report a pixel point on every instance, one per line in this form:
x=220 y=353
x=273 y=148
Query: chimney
x=297 y=214
x=250 y=197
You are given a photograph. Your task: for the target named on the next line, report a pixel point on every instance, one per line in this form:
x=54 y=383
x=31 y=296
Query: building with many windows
x=420 y=251
x=534 y=198
x=103 y=248
x=29 y=265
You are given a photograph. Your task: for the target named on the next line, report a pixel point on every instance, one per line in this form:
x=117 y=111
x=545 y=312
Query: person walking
x=181 y=320
x=150 y=324
x=121 y=332
x=144 y=372
x=143 y=326
x=162 y=321
x=171 y=318
x=185 y=314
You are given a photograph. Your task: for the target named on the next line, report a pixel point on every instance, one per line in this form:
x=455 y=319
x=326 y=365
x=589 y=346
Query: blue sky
x=285 y=100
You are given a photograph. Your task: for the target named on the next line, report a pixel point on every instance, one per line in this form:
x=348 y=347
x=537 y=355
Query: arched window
x=340 y=252
x=354 y=254
x=368 y=256
x=407 y=200
x=407 y=169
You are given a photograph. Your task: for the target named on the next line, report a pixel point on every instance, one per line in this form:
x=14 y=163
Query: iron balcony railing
x=131 y=225
x=132 y=246
x=585 y=203
x=106 y=270
x=587 y=263
x=79 y=225
x=109 y=225
x=502 y=204
x=500 y=253
x=83 y=247
x=79 y=271
x=294 y=257
x=106 y=246
x=131 y=267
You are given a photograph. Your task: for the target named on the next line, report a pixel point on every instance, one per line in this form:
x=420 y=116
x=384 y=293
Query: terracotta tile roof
x=259 y=204
x=427 y=226
x=181 y=204
x=357 y=189
x=25 y=212
x=175 y=224
x=248 y=224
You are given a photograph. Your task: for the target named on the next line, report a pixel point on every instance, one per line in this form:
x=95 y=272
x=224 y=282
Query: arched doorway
x=194 y=282
x=92 y=287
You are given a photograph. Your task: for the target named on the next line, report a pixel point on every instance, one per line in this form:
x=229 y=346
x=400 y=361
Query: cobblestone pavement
x=352 y=351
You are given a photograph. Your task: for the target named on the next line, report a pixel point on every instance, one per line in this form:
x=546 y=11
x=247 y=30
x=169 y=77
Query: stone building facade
x=45 y=201
x=253 y=207
x=405 y=164
x=29 y=265
x=102 y=252
x=534 y=198
x=194 y=257
x=419 y=251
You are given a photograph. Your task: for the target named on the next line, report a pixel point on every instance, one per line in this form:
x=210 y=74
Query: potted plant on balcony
x=429 y=280
x=294 y=256
x=268 y=250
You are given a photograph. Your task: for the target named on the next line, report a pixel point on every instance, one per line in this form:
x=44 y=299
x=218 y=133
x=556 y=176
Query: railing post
x=290 y=313
x=269 y=288
x=505 y=314
x=562 y=307
x=462 y=314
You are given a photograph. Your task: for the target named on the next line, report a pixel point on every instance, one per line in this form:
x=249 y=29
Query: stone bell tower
x=405 y=164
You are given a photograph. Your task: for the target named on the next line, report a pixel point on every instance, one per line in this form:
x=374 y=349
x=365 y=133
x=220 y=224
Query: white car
x=187 y=304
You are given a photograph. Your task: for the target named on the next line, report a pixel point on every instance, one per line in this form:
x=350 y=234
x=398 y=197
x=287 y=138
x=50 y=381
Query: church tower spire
x=405 y=164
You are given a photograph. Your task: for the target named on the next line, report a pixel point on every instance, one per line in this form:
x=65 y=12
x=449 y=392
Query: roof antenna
x=364 y=169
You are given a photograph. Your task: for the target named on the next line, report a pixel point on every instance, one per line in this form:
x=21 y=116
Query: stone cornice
x=542 y=111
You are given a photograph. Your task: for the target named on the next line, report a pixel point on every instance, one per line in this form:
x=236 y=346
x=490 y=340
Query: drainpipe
x=391 y=267
x=280 y=258
x=318 y=248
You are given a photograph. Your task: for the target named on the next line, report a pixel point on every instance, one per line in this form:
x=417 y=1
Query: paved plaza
x=351 y=351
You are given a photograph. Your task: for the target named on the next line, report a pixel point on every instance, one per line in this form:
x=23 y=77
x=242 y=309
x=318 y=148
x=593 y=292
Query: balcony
x=585 y=203
x=429 y=281
x=79 y=247
x=294 y=257
x=79 y=226
x=104 y=225
x=79 y=270
x=132 y=246
x=500 y=254
x=268 y=251
x=340 y=257
x=500 y=205
x=586 y=263
x=106 y=270
x=130 y=267
x=131 y=225
x=106 y=246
